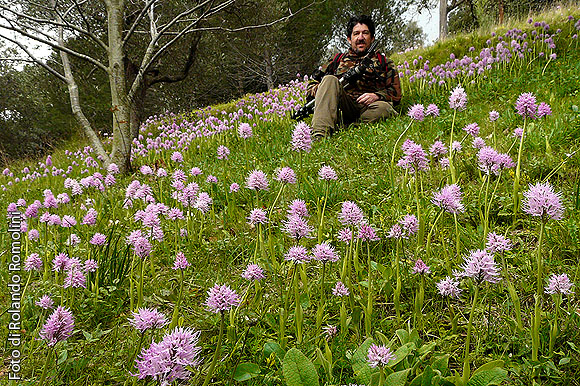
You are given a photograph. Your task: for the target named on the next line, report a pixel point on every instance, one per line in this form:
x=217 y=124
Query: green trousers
x=331 y=97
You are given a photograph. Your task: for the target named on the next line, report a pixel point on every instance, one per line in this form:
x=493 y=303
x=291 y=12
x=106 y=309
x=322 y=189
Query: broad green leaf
x=403 y=336
x=273 y=347
x=494 y=376
x=424 y=379
x=245 y=371
x=402 y=353
x=397 y=379
x=489 y=366
x=426 y=348
x=360 y=366
x=441 y=364
x=298 y=370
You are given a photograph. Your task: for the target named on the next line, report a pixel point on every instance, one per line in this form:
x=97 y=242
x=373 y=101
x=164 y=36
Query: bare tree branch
x=56 y=24
x=53 y=45
x=137 y=20
x=36 y=60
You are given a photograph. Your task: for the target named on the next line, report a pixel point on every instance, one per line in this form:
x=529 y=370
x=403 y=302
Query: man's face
x=360 y=39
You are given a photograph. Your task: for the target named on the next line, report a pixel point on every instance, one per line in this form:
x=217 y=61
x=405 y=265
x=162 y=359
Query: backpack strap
x=382 y=60
x=331 y=69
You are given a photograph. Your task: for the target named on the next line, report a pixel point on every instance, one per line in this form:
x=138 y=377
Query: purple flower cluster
x=286 y=175
x=257 y=216
x=180 y=261
x=421 y=268
x=490 y=161
x=497 y=243
x=221 y=298
x=417 y=112
x=297 y=254
x=415 y=158
x=253 y=272
x=379 y=356
x=458 y=99
x=350 y=214
x=168 y=360
x=325 y=253
x=301 y=137
x=540 y=200
x=480 y=266
x=559 y=284
x=449 y=199
x=147 y=318
x=327 y=173
x=340 y=290
x=257 y=180
x=59 y=326
x=449 y=287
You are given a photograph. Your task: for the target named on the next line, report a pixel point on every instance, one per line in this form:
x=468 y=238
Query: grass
x=220 y=243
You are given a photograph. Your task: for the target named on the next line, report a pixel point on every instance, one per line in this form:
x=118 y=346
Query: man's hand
x=367 y=98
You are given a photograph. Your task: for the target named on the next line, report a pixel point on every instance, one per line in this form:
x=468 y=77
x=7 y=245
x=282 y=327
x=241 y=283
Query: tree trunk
x=500 y=6
x=442 y=19
x=120 y=104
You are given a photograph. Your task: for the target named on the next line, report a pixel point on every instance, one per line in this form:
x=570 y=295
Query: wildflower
x=410 y=224
x=421 y=268
x=33 y=262
x=559 y=284
x=223 y=152
x=493 y=115
x=456 y=147
x=449 y=287
x=58 y=327
x=211 y=179
x=350 y=214
x=177 y=157
x=544 y=110
x=147 y=318
x=415 y=157
x=396 y=232
x=438 y=149
x=327 y=173
x=286 y=175
x=449 y=199
x=257 y=180
x=73 y=240
x=472 y=129
x=345 y=235
x=301 y=139
x=330 y=331
x=33 y=234
x=379 y=356
x=298 y=208
x=458 y=99
x=478 y=143
x=480 y=266
x=432 y=110
x=142 y=247
x=245 y=130
x=90 y=217
x=526 y=105
x=195 y=171
x=45 y=302
x=367 y=233
x=253 y=272
x=325 y=253
x=298 y=254
x=221 y=298
x=168 y=360
x=417 y=112
x=203 y=202
x=257 y=216
x=75 y=278
x=497 y=243
x=297 y=227
x=340 y=290
x=234 y=187
x=60 y=262
x=540 y=200
x=90 y=265
x=180 y=261
x=98 y=239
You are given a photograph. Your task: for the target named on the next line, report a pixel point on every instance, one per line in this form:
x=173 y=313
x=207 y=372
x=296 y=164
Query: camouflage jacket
x=382 y=80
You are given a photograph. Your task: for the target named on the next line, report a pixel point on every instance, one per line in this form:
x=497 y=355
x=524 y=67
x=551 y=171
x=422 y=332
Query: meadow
x=439 y=247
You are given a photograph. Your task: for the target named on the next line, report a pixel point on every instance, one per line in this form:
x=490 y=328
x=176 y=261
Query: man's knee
x=329 y=82
x=378 y=110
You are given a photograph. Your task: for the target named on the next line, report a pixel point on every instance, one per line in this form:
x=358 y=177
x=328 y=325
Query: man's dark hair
x=361 y=19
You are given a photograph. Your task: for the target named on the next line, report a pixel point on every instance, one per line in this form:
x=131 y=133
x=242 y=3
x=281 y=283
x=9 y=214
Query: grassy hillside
x=454 y=227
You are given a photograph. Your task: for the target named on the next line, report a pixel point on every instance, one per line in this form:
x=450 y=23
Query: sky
x=429 y=22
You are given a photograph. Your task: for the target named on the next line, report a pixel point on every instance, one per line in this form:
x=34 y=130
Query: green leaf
x=397 y=379
x=403 y=336
x=426 y=348
x=423 y=379
x=491 y=373
x=402 y=353
x=564 y=361
x=273 y=347
x=298 y=369
x=245 y=371
x=441 y=364
x=360 y=366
